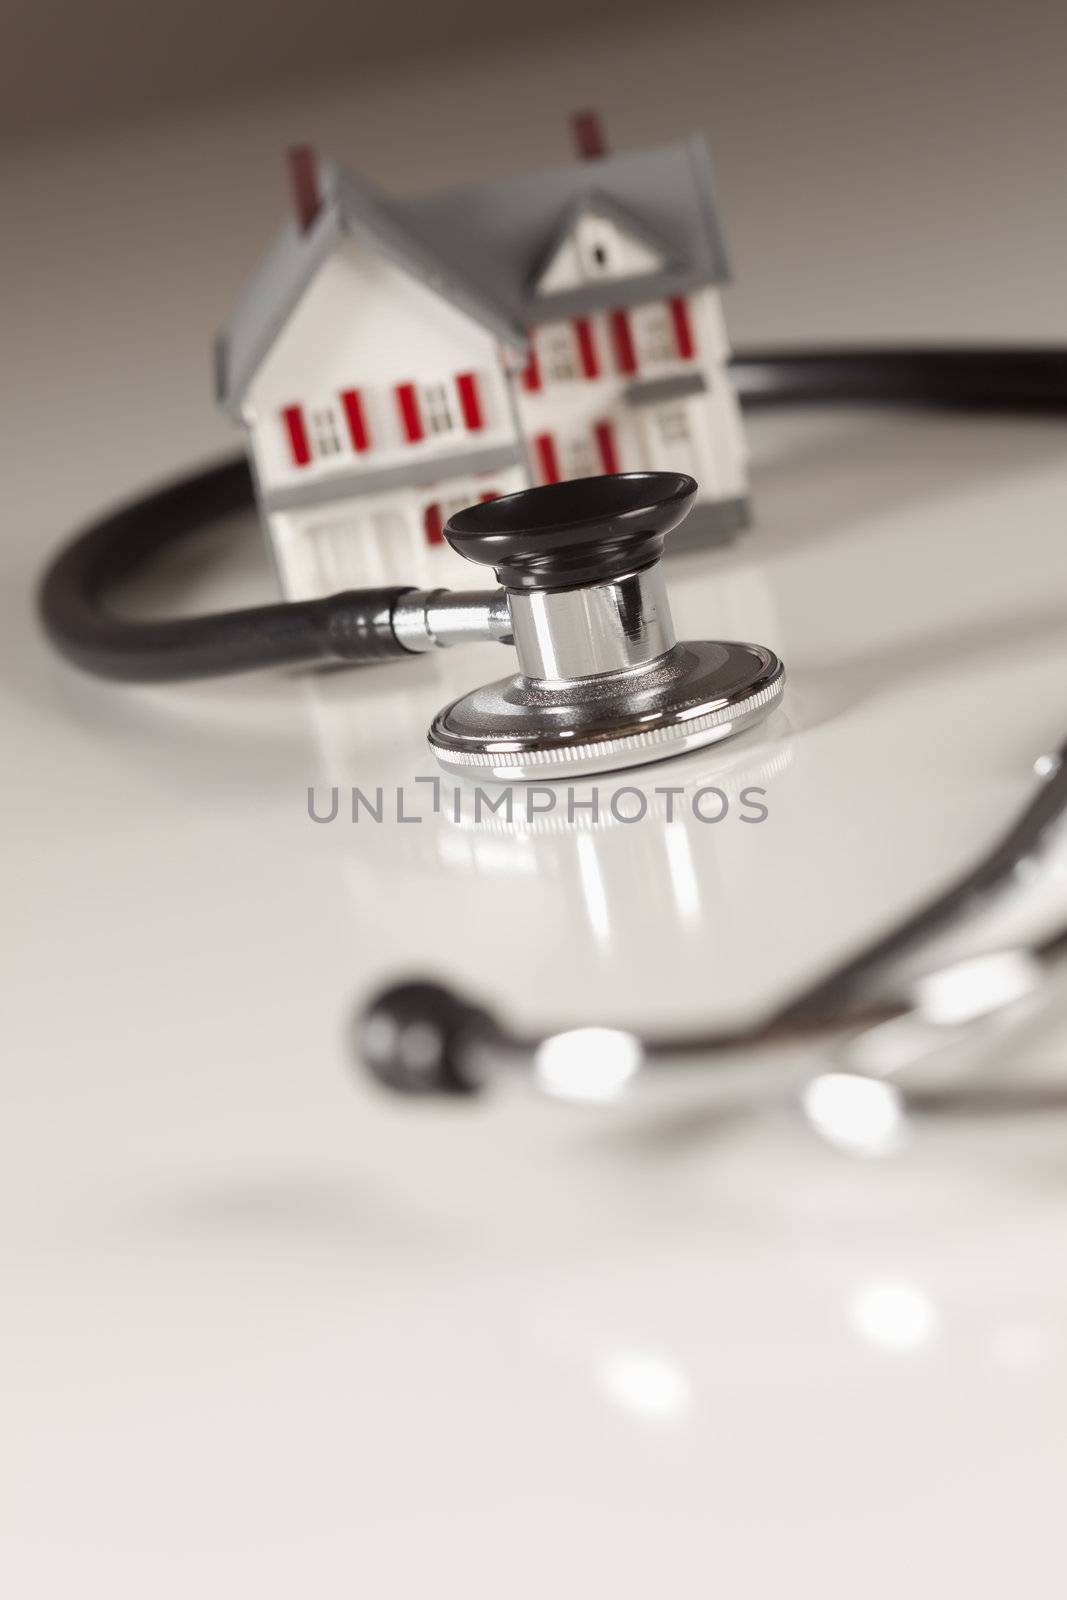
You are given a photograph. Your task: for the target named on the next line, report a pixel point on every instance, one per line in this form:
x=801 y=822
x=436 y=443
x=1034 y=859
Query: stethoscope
x=602 y=683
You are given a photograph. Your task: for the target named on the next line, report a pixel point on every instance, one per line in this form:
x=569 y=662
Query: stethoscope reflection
x=642 y=839
x=585 y=860
x=640 y=856
x=593 y=865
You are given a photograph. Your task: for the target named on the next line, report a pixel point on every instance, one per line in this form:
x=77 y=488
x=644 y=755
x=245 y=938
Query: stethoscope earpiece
x=602 y=682
x=421 y=1038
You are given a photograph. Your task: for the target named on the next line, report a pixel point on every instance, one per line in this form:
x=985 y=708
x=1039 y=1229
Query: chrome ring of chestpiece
x=602 y=681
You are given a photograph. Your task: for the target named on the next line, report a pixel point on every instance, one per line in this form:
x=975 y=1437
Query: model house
x=394 y=359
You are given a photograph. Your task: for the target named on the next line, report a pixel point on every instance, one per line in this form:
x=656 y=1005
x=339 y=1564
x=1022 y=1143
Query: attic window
x=596 y=246
x=593 y=245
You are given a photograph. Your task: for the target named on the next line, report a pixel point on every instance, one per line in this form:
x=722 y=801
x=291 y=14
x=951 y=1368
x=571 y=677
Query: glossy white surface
x=276 y=1332
x=268 y=1332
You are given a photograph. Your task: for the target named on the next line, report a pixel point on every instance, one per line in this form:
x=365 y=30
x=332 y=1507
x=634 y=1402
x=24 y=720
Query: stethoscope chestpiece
x=602 y=681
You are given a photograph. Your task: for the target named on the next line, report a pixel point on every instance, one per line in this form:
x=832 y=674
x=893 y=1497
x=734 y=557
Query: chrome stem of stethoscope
x=433 y=619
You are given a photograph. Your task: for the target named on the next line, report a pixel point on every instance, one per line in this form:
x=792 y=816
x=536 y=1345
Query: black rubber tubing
x=356 y=626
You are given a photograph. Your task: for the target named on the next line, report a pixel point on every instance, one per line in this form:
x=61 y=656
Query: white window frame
x=438 y=405
x=324 y=432
x=557 y=353
x=579 y=458
x=672 y=424
x=655 y=344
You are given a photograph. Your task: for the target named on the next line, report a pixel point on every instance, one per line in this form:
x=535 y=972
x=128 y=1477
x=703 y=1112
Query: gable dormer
x=598 y=243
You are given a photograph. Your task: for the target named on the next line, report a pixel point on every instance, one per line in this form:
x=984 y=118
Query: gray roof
x=483 y=246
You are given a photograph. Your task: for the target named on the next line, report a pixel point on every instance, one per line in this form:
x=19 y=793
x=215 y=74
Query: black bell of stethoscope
x=602 y=681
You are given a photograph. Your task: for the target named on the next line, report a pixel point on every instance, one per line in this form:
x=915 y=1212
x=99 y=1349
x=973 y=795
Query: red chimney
x=304 y=182
x=588 y=134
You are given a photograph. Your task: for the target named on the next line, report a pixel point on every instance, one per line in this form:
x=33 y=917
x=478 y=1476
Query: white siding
x=725 y=429
x=378 y=540
x=569 y=409
x=365 y=324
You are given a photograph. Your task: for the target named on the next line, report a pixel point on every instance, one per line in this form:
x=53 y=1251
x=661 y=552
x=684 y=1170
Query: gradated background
x=884 y=170
x=266 y=1332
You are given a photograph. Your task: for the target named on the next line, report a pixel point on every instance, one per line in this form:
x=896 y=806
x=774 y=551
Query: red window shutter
x=470 y=400
x=605 y=443
x=547 y=459
x=583 y=330
x=683 y=329
x=356 y=419
x=531 y=378
x=293 y=417
x=622 y=339
x=410 y=416
x=432 y=521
